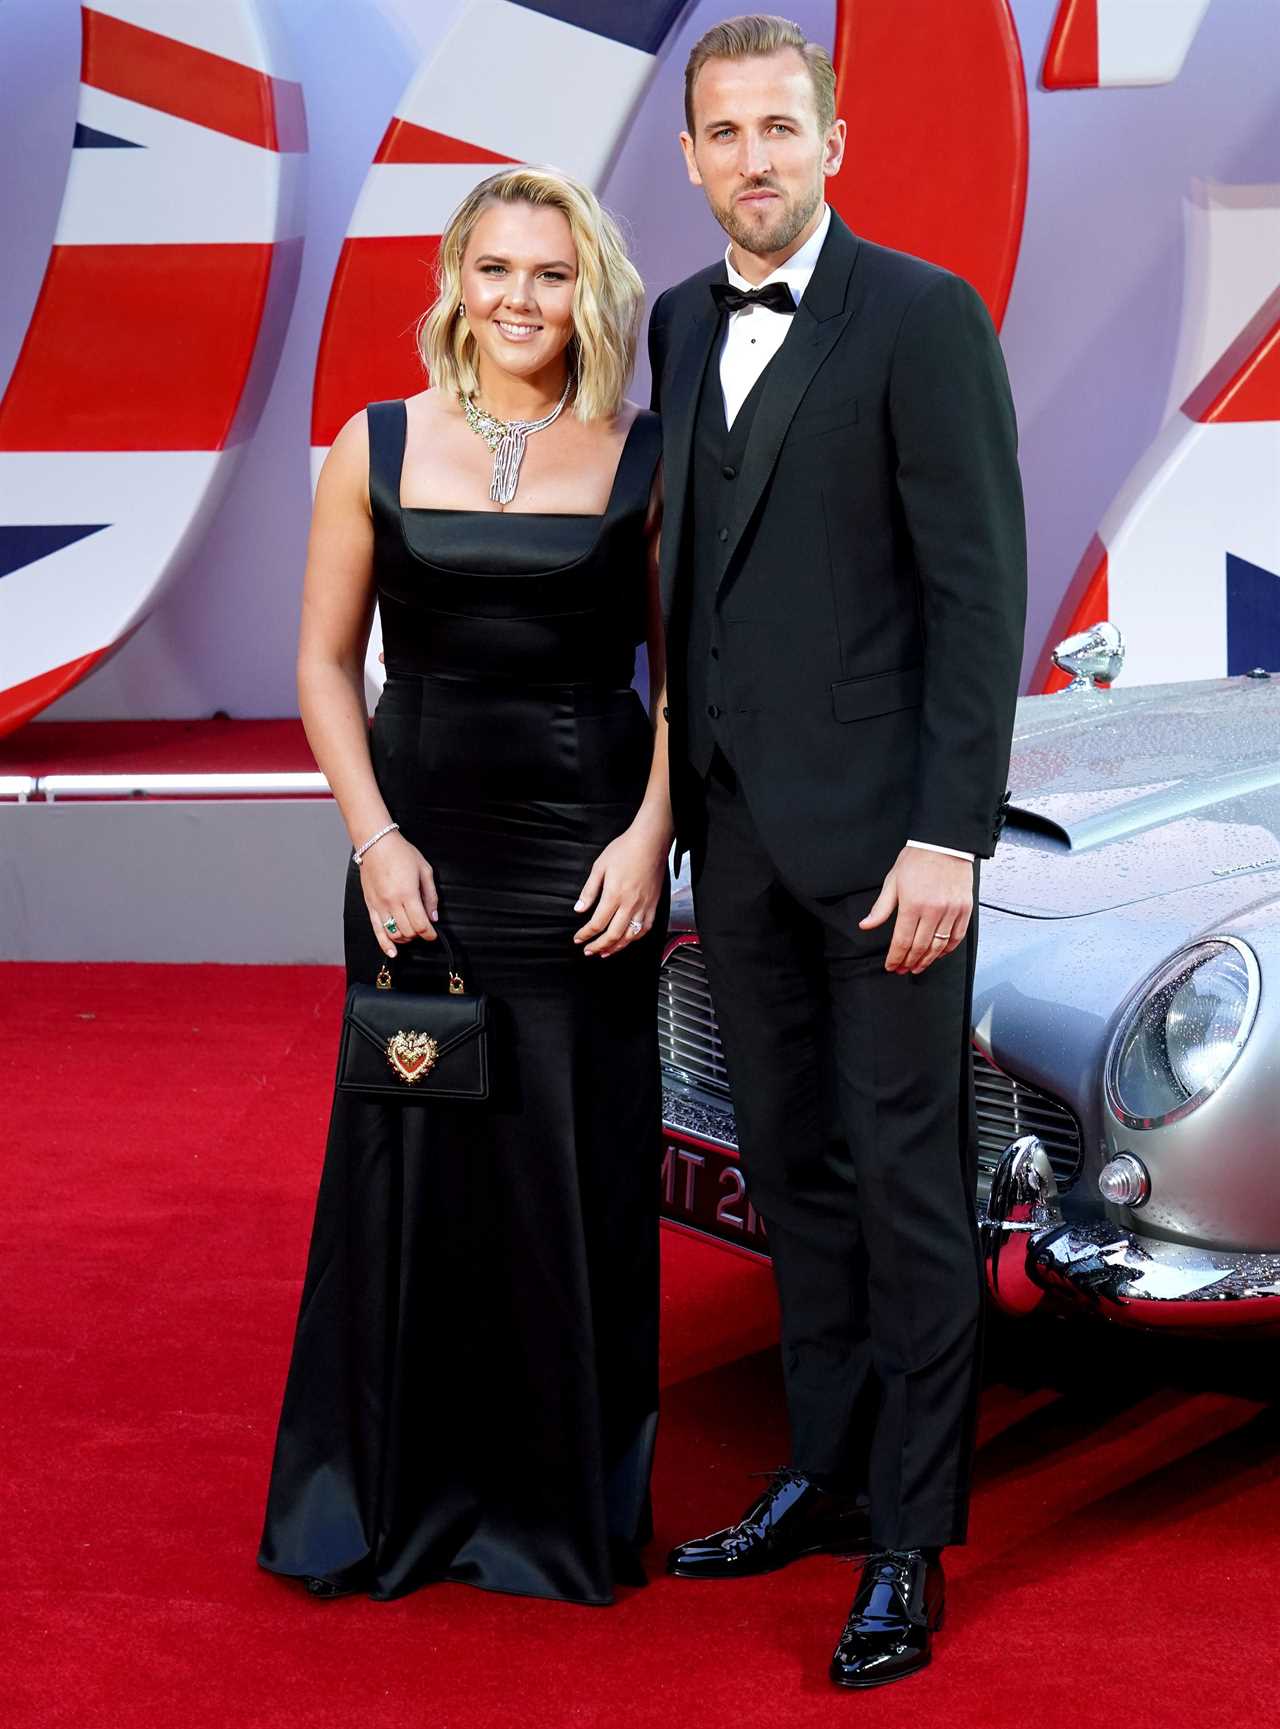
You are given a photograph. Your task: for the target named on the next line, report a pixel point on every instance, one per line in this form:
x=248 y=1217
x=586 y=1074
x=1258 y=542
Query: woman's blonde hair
x=607 y=297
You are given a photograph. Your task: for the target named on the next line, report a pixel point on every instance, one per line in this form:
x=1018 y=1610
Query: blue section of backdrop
x=23 y=543
x=1253 y=617
x=639 y=23
x=90 y=138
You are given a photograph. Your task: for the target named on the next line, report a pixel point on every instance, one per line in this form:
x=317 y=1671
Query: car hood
x=1117 y=796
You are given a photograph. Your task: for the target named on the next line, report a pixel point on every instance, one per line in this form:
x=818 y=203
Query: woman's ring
x=636 y=927
x=391 y=927
x=940 y=937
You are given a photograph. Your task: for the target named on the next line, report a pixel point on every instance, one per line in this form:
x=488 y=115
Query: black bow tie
x=776 y=297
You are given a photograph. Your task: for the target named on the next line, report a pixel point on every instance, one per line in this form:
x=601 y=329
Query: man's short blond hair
x=763 y=33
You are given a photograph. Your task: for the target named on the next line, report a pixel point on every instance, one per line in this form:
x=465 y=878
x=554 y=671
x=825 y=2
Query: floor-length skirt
x=472 y=1393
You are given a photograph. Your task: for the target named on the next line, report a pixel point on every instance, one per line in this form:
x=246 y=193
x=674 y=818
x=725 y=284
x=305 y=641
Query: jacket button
x=713 y=711
x=724 y=534
x=715 y=654
x=728 y=472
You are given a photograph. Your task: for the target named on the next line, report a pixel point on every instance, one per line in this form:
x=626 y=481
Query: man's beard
x=760 y=242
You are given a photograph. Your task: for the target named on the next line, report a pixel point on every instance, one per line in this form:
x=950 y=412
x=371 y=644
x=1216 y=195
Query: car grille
x=688 y=1036
x=1008 y=1108
x=689 y=1040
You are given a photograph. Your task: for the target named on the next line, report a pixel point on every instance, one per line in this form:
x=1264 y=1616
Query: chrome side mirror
x=1092 y=657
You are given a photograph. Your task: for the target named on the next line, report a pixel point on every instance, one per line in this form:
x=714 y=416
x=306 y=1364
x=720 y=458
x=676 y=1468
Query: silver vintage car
x=1126 y=1015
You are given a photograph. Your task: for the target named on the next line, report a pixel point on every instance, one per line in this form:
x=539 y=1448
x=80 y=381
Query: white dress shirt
x=754 y=336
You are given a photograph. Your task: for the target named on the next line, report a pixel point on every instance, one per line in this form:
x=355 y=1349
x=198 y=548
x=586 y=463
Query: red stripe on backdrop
x=207 y=89
x=21 y=701
x=1084 y=603
x=1071 y=59
x=405 y=142
x=137 y=348
x=381 y=288
x=936 y=103
x=1245 y=383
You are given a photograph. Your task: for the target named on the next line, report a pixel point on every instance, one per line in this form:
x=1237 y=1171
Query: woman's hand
x=625 y=887
x=399 y=884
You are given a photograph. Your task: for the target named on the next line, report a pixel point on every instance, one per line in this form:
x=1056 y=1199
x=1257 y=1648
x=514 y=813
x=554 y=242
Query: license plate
x=704 y=1190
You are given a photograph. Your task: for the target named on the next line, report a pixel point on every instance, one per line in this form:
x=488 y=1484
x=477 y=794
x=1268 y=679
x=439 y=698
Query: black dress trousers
x=856 y=1124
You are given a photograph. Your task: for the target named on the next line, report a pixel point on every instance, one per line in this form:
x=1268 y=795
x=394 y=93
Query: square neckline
x=599 y=516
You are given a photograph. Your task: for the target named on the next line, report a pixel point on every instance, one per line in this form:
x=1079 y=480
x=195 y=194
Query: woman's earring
x=462 y=310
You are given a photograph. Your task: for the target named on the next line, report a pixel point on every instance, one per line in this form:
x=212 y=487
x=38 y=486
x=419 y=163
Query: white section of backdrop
x=1090 y=337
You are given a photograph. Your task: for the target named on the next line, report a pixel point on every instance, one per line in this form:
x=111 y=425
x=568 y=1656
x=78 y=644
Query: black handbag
x=415 y=1046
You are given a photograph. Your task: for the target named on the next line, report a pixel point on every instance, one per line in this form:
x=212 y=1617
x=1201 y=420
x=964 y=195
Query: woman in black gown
x=473 y=1387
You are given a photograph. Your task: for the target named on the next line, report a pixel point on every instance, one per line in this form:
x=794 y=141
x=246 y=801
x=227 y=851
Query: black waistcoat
x=718 y=450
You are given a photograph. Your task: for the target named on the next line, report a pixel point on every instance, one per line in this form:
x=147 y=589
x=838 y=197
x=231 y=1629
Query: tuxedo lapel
x=679 y=411
x=820 y=319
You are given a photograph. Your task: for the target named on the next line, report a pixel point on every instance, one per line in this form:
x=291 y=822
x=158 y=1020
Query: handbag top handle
x=456 y=986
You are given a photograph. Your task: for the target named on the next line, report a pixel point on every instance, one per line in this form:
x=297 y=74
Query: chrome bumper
x=1035 y=1260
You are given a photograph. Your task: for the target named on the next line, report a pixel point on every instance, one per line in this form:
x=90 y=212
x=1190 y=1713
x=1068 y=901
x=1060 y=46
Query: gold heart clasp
x=412 y=1055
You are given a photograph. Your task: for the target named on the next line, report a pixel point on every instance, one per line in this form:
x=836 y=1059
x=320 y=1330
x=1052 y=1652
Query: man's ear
x=833 y=151
x=686 y=144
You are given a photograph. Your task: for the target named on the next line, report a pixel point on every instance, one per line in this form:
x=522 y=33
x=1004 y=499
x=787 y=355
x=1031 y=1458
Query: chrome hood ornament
x=1092 y=657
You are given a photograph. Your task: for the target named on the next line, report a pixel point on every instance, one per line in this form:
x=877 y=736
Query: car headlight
x=1181 y=1032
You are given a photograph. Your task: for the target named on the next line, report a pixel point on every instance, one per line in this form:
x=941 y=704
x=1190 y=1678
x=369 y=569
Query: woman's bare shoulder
x=430 y=407
x=346 y=464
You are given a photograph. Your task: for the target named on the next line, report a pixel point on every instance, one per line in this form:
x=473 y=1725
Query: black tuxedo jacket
x=870 y=615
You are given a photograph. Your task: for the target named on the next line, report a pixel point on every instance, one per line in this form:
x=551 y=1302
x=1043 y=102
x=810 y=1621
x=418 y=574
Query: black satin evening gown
x=473 y=1387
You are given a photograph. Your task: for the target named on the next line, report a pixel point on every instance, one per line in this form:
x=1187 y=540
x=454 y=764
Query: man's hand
x=933 y=893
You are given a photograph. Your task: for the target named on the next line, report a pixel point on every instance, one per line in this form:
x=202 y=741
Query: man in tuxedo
x=843 y=581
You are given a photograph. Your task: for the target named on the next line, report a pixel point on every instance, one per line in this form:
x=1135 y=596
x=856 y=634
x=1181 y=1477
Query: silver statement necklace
x=506 y=439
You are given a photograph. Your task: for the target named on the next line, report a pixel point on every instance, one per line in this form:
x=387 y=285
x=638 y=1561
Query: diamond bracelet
x=360 y=851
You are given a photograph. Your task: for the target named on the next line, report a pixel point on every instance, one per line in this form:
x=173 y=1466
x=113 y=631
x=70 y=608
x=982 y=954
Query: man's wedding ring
x=940 y=937
x=636 y=927
x=391 y=927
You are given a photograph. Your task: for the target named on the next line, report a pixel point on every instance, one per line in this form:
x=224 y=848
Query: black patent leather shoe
x=793 y=1517
x=324 y=1588
x=898 y=1606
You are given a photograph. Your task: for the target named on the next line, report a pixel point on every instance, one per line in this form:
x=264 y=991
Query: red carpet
x=163 y=1130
